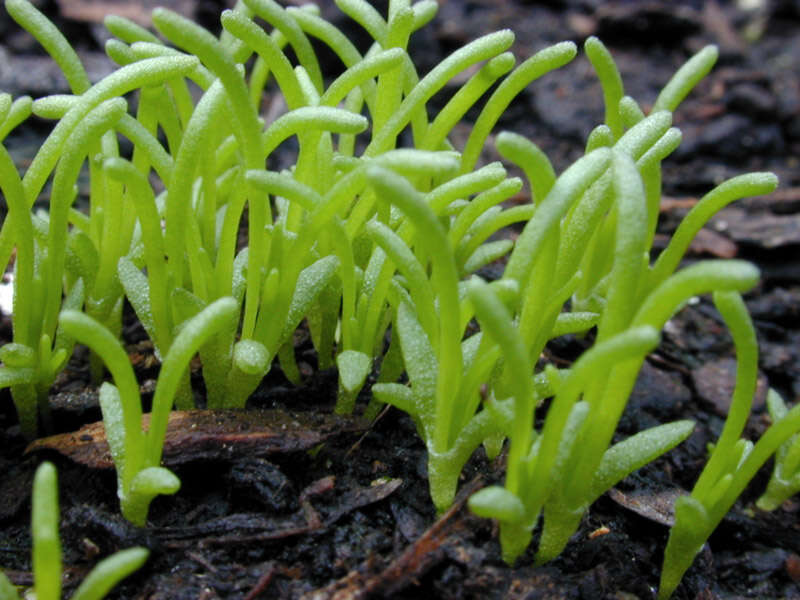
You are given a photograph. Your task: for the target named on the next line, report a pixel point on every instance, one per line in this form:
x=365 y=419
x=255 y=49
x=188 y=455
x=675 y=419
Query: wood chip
x=710 y=242
x=197 y=435
x=762 y=230
x=94 y=11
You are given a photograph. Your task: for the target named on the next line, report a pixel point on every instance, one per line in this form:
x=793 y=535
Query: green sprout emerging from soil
x=372 y=238
x=46 y=557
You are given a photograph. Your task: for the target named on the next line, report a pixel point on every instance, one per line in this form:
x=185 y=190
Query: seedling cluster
x=375 y=233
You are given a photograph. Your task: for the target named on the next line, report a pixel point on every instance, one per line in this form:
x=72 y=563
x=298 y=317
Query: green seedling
x=590 y=239
x=734 y=460
x=362 y=237
x=58 y=267
x=322 y=205
x=136 y=451
x=47 y=551
x=785 y=480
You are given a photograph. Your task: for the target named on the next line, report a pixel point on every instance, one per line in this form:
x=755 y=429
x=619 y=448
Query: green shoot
x=47 y=551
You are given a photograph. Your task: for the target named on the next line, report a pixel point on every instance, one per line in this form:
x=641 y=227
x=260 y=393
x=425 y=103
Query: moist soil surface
x=287 y=501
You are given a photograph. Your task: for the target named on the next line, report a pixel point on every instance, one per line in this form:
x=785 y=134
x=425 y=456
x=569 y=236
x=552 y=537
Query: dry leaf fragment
x=655 y=505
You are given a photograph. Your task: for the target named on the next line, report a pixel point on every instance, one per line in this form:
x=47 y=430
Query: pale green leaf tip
x=593 y=42
x=353 y=369
x=251 y=357
x=45 y=475
x=154 y=481
x=495 y=502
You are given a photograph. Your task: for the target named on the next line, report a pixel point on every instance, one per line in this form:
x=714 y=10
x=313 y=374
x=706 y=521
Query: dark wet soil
x=352 y=518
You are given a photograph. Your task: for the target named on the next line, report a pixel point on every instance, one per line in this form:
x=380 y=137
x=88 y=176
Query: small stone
x=715 y=382
x=736 y=136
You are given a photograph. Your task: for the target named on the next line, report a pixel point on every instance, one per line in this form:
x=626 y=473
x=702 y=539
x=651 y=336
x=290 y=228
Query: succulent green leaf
x=599 y=137
x=785 y=479
x=495 y=319
x=570 y=436
x=82 y=258
x=686 y=539
x=44 y=531
x=470 y=347
x=542 y=62
x=424 y=11
x=153 y=481
x=487 y=253
x=51 y=38
x=128 y=31
x=685 y=79
x=353 y=367
x=690 y=531
x=776 y=406
x=466 y=97
x=277 y=16
x=779 y=489
x=642 y=136
x=5 y=105
x=310 y=284
x=729 y=450
x=146 y=485
x=630 y=245
x=239 y=283
x=399 y=396
x=137 y=290
x=410 y=162
x=251 y=357
x=286 y=186
x=479 y=208
x=751 y=184
x=414 y=272
x=636 y=451
x=239 y=24
x=360 y=73
x=699 y=278
x=17 y=356
x=610 y=79
x=365 y=15
x=568 y=187
x=418 y=354
x=534 y=162
x=212 y=320
x=457 y=188
x=185 y=305
x=88 y=331
x=630 y=111
x=483 y=48
x=495 y=502
x=307 y=118
x=574 y=322
x=121 y=81
x=109 y=572
x=114 y=425
x=19 y=111
x=7 y=589
x=54 y=106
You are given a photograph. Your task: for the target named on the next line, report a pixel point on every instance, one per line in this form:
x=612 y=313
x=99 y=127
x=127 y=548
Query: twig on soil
x=262 y=584
x=406 y=569
x=249 y=528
